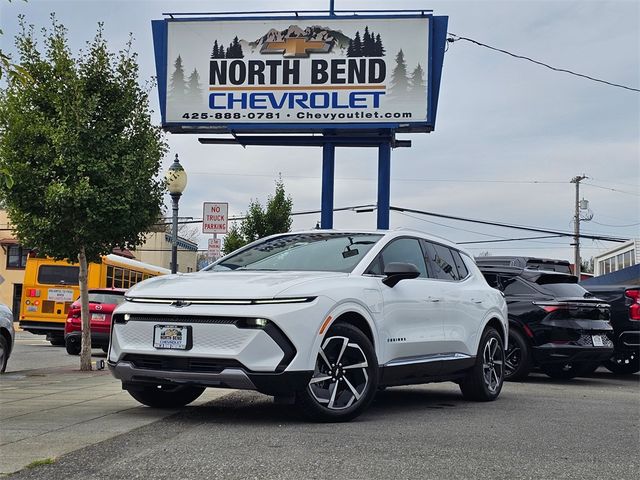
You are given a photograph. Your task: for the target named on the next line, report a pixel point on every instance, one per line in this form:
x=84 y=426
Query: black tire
x=161 y=396
x=623 y=363
x=517 y=357
x=345 y=392
x=484 y=380
x=56 y=340
x=73 y=346
x=588 y=369
x=4 y=353
x=563 y=371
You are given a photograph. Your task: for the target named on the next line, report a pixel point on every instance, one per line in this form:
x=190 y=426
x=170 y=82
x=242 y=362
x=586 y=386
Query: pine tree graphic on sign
x=399 y=79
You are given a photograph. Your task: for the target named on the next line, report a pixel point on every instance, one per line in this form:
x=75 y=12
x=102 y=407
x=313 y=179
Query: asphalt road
x=585 y=428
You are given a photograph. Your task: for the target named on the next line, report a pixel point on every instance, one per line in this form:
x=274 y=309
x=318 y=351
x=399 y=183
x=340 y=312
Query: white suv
x=319 y=318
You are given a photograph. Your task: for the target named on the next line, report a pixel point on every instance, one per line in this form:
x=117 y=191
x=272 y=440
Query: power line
x=612 y=189
x=615 y=226
x=507 y=225
x=522 y=57
x=509 y=240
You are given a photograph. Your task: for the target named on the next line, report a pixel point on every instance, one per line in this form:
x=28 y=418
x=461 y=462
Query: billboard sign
x=298 y=73
x=214 y=217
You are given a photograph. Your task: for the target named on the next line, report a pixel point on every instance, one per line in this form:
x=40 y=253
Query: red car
x=102 y=302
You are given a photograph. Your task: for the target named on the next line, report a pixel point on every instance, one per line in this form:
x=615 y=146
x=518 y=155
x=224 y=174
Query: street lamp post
x=176 y=181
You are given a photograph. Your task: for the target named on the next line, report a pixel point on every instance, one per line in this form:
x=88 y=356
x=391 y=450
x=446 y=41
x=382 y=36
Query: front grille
x=181 y=319
x=181 y=364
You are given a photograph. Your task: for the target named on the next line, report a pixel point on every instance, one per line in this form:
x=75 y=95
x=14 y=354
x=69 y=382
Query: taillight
x=33 y=292
x=634 y=308
x=550 y=308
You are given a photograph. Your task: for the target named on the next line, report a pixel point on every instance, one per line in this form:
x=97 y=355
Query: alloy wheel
x=340 y=377
x=493 y=364
x=512 y=359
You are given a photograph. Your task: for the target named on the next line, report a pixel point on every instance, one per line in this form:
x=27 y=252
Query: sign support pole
x=384 y=185
x=328 y=169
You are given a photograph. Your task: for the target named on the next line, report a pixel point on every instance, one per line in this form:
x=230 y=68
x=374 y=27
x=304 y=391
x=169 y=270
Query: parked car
x=102 y=303
x=532 y=263
x=625 y=320
x=554 y=323
x=319 y=318
x=7 y=336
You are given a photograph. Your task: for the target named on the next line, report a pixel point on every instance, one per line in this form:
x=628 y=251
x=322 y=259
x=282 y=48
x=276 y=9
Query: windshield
x=100 y=297
x=324 y=252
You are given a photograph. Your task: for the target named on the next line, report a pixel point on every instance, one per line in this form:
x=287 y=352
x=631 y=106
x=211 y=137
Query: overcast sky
x=509 y=134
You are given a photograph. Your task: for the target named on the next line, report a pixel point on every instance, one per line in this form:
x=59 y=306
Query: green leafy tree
x=277 y=218
x=261 y=222
x=83 y=153
x=233 y=239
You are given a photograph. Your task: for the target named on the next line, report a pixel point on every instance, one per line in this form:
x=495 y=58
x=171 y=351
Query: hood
x=225 y=285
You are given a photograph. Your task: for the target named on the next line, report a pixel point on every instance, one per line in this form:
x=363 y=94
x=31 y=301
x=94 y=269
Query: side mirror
x=397 y=271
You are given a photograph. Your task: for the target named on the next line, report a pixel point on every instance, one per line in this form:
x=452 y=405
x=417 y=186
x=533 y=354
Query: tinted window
x=441 y=262
x=492 y=280
x=515 y=286
x=403 y=250
x=462 y=268
x=58 y=275
x=328 y=252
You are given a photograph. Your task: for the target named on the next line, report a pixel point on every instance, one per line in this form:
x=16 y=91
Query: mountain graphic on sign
x=338 y=41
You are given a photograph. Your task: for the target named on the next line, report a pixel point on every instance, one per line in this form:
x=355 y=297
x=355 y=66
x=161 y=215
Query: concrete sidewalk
x=48 y=412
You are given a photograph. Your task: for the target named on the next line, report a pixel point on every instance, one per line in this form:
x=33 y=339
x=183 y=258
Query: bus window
x=109 y=276
x=58 y=275
x=118 y=278
x=138 y=277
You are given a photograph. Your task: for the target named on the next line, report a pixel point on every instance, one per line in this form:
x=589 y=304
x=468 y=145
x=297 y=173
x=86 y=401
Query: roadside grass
x=38 y=463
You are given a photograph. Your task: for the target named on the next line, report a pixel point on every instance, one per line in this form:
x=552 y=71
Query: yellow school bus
x=51 y=286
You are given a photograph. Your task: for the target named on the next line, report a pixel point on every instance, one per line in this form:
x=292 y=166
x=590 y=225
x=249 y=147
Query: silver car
x=7 y=336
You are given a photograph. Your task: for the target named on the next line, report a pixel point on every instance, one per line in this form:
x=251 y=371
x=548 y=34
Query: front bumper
x=136 y=372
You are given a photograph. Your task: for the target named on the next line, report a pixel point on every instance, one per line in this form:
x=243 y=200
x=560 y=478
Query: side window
x=515 y=286
x=462 y=268
x=109 y=276
x=404 y=250
x=441 y=262
x=492 y=280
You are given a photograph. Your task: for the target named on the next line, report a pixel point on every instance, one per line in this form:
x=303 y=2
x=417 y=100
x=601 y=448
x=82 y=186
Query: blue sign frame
x=437 y=42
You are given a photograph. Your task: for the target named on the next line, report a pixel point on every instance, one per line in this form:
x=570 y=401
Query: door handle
x=433 y=299
x=475 y=300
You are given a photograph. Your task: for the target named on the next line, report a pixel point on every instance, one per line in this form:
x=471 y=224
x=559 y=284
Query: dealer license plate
x=597 y=340
x=98 y=317
x=172 y=337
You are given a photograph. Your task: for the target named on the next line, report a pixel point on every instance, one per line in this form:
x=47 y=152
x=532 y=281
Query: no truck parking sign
x=214 y=217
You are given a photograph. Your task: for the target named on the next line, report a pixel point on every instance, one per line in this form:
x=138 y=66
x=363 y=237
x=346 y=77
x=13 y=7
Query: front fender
x=346 y=306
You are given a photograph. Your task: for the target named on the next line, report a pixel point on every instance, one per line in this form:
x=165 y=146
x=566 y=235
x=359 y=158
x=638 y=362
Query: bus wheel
x=56 y=340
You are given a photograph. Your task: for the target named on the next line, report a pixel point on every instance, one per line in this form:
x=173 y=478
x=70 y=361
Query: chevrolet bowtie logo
x=180 y=303
x=298 y=47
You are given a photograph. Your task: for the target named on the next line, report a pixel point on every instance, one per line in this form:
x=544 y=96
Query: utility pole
x=576 y=226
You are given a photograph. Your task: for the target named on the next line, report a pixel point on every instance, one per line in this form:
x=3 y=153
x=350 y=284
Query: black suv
x=554 y=323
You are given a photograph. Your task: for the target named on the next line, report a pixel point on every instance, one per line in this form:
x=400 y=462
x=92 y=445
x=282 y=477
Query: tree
x=418 y=85
x=83 y=152
x=379 y=51
x=368 y=43
x=260 y=222
x=194 y=92
x=399 y=80
x=178 y=87
x=233 y=240
x=277 y=218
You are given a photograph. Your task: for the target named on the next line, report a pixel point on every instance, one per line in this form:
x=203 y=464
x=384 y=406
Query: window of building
x=17 y=256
